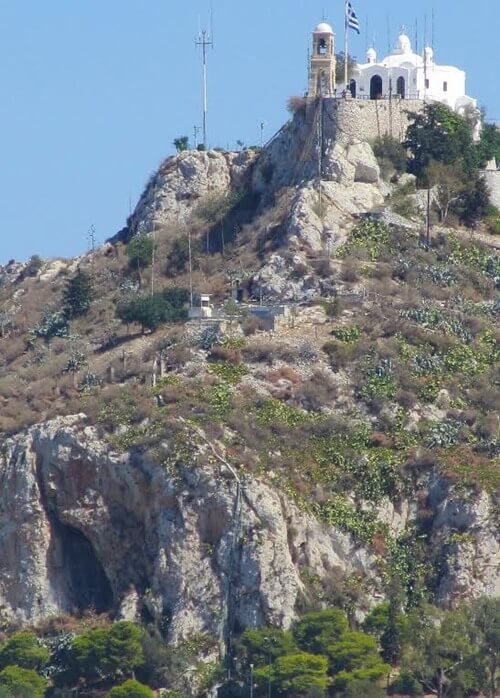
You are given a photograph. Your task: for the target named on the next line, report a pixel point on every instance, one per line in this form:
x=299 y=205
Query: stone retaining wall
x=354 y=120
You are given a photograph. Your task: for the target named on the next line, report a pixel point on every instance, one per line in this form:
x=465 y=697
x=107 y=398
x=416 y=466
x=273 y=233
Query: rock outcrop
x=465 y=532
x=182 y=181
x=82 y=526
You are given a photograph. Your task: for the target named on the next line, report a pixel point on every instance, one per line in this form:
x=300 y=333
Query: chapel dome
x=323 y=28
x=371 y=55
x=403 y=44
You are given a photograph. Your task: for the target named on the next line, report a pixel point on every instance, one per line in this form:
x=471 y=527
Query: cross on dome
x=403 y=44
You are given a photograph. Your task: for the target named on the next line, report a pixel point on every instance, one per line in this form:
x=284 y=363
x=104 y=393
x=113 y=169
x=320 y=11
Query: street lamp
x=251 y=680
x=267 y=641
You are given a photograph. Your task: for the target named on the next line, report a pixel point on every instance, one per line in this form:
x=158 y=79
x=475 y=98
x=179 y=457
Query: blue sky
x=94 y=92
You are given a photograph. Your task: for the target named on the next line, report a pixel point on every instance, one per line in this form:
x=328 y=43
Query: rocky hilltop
x=331 y=434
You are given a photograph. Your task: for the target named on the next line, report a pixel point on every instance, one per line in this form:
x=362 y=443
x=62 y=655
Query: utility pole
x=204 y=40
x=153 y=236
x=196 y=130
x=190 y=269
x=428 y=232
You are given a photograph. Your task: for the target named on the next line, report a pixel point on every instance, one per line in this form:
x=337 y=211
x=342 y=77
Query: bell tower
x=322 y=71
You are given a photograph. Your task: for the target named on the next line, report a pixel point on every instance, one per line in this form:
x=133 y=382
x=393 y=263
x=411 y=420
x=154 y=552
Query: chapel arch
x=401 y=87
x=352 y=88
x=376 y=87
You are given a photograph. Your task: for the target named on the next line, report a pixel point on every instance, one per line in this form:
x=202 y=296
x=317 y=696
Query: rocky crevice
x=82 y=583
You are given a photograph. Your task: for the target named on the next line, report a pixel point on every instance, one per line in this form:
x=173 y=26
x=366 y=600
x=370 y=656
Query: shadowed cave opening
x=87 y=584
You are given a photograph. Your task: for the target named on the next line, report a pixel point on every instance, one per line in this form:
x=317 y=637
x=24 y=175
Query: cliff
x=209 y=477
x=192 y=540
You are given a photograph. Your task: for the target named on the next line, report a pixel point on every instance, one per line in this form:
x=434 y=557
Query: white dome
x=428 y=54
x=403 y=44
x=323 y=28
x=371 y=55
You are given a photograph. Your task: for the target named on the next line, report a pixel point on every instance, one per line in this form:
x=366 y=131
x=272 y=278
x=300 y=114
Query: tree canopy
x=78 y=295
x=103 y=653
x=439 y=134
x=140 y=251
x=21 y=683
x=24 y=650
x=131 y=689
x=151 y=311
x=317 y=631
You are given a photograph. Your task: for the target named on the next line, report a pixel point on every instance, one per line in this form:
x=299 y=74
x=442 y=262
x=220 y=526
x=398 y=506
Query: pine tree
x=78 y=295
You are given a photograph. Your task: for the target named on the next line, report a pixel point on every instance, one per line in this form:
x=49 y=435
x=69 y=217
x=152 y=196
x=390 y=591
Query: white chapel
x=408 y=75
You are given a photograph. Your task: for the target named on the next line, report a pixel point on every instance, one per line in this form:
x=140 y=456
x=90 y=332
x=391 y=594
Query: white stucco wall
x=423 y=78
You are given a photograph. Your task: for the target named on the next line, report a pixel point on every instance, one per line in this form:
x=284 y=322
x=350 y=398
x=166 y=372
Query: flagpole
x=345 y=46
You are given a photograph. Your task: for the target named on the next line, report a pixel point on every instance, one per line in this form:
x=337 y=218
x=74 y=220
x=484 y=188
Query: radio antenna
x=205 y=40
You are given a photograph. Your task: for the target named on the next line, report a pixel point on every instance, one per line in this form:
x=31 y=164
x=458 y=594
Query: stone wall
x=493 y=180
x=354 y=120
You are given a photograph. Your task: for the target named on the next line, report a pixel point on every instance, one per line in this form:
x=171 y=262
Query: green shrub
x=338 y=511
x=131 y=689
x=404 y=207
x=492 y=220
x=227 y=371
x=332 y=307
x=22 y=683
x=53 y=324
x=219 y=398
x=390 y=149
x=406 y=683
x=24 y=650
x=152 y=311
x=296 y=674
x=347 y=334
x=369 y=234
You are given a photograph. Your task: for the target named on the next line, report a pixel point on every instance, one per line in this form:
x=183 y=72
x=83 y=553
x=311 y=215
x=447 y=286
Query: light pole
x=251 y=680
x=267 y=641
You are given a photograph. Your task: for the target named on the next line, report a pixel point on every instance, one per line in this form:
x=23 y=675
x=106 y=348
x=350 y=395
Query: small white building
x=407 y=75
x=205 y=310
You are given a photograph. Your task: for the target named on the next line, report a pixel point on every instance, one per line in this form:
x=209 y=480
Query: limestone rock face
x=336 y=166
x=81 y=526
x=465 y=532
x=366 y=168
x=304 y=223
x=181 y=183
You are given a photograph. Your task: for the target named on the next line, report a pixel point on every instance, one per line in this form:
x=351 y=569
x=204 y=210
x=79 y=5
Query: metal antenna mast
x=92 y=237
x=433 y=30
x=204 y=40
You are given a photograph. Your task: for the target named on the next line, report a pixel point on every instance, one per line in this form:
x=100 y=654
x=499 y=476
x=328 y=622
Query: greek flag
x=350 y=18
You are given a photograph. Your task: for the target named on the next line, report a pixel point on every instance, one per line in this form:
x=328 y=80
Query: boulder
x=366 y=168
x=336 y=166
